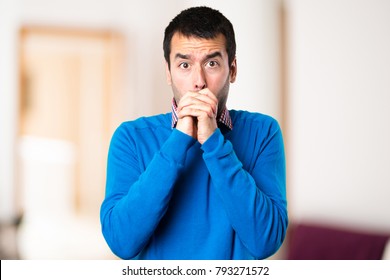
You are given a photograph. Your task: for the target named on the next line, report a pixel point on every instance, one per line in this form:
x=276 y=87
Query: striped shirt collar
x=224 y=118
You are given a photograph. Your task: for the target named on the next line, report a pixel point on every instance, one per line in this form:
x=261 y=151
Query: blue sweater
x=169 y=197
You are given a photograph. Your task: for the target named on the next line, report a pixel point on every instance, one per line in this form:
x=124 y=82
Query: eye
x=184 y=65
x=212 y=64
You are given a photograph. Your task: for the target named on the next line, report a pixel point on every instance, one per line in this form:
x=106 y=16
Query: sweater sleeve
x=136 y=200
x=255 y=201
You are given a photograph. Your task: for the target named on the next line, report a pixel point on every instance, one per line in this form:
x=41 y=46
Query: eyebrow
x=214 y=54
x=182 y=56
x=211 y=55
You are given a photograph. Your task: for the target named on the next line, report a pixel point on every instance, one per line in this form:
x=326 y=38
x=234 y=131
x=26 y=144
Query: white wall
x=339 y=117
x=8 y=105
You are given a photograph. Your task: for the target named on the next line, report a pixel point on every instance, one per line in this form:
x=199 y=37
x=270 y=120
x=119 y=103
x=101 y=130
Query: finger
x=198 y=99
x=210 y=110
x=197 y=110
x=208 y=93
x=205 y=95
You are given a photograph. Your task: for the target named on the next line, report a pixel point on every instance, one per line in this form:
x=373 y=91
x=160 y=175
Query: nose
x=199 y=79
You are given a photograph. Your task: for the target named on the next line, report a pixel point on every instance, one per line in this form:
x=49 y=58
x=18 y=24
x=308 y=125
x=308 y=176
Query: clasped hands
x=197 y=114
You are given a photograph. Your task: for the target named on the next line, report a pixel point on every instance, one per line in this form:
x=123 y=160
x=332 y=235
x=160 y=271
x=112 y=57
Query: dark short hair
x=201 y=22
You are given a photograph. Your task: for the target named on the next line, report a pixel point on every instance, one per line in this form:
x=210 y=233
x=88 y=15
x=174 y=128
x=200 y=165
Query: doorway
x=71 y=84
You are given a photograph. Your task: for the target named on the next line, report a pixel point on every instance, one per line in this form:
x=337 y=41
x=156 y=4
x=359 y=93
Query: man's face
x=197 y=63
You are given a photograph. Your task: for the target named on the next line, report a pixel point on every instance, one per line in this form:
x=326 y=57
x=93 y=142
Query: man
x=200 y=182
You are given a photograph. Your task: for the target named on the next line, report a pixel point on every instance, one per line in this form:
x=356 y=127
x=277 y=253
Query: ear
x=168 y=74
x=233 y=70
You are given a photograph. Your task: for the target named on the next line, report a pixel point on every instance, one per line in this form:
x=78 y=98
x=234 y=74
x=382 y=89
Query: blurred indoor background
x=71 y=71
